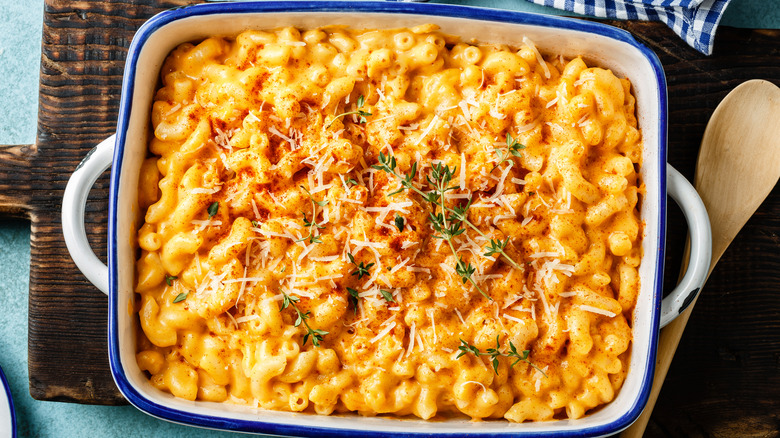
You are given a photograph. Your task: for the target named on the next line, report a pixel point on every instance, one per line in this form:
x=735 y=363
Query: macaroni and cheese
x=388 y=222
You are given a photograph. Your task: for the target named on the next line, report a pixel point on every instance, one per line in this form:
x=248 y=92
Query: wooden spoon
x=738 y=165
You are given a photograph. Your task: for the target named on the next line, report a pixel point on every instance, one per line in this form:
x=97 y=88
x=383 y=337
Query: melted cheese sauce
x=271 y=229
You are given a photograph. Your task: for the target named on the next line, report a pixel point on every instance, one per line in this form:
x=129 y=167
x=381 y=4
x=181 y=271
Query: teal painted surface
x=20 y=36
x=753 y=14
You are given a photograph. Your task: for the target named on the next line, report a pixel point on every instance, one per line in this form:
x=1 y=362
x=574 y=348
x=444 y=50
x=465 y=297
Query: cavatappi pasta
x=285 y=264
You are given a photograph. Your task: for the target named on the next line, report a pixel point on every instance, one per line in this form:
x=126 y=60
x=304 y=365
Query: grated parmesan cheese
x=411 y=339
x=462 y=175
x=204 y=191
x=366 y=244
x=539 y=57
x=203 y=224
x=427 y=130
x=278 y=133
x=382 y=333
x=597 y=310
x=460 y=316
x=512 y=318
x=500 y=184
x=248 y=318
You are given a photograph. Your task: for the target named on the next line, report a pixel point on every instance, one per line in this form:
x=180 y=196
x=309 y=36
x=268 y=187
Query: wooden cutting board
x=724 y=380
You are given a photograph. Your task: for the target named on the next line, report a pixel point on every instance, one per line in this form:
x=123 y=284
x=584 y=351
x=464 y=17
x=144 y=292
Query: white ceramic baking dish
x=600 y=44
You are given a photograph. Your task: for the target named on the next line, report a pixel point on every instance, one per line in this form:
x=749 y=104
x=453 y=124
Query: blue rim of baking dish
x=12 y=411
x=494 y=15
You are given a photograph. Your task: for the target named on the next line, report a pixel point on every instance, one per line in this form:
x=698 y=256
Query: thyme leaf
x=212 y=210
x=387 y=295
x=399 y=222
x=496 y=246
x=353 y=298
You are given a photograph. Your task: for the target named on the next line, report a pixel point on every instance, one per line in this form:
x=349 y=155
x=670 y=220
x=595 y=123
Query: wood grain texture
x=724 y=379
x=14 y=166
x=84 y=48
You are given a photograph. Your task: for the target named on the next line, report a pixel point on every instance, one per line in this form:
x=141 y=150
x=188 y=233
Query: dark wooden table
x=725 y=379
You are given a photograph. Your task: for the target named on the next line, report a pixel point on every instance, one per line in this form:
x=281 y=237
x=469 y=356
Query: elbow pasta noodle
x=277 y=268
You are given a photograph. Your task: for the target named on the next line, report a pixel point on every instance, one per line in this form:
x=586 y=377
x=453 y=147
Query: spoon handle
x=668 y=341
x=725 y=139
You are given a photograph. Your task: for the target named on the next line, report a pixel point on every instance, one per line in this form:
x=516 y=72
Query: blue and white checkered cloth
x=694 y=20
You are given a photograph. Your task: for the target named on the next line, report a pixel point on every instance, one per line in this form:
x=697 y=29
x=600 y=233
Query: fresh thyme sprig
x=363 y=114
x=311 y=225
x=315 y=334
x=314 y=201
x=362 y=269
x=440 y=178
x=494 y=353
x=513 y=148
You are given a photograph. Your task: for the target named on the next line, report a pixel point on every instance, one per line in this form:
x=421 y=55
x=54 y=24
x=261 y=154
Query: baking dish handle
x=100 y=157
x=74 y=202
x=701 y=245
